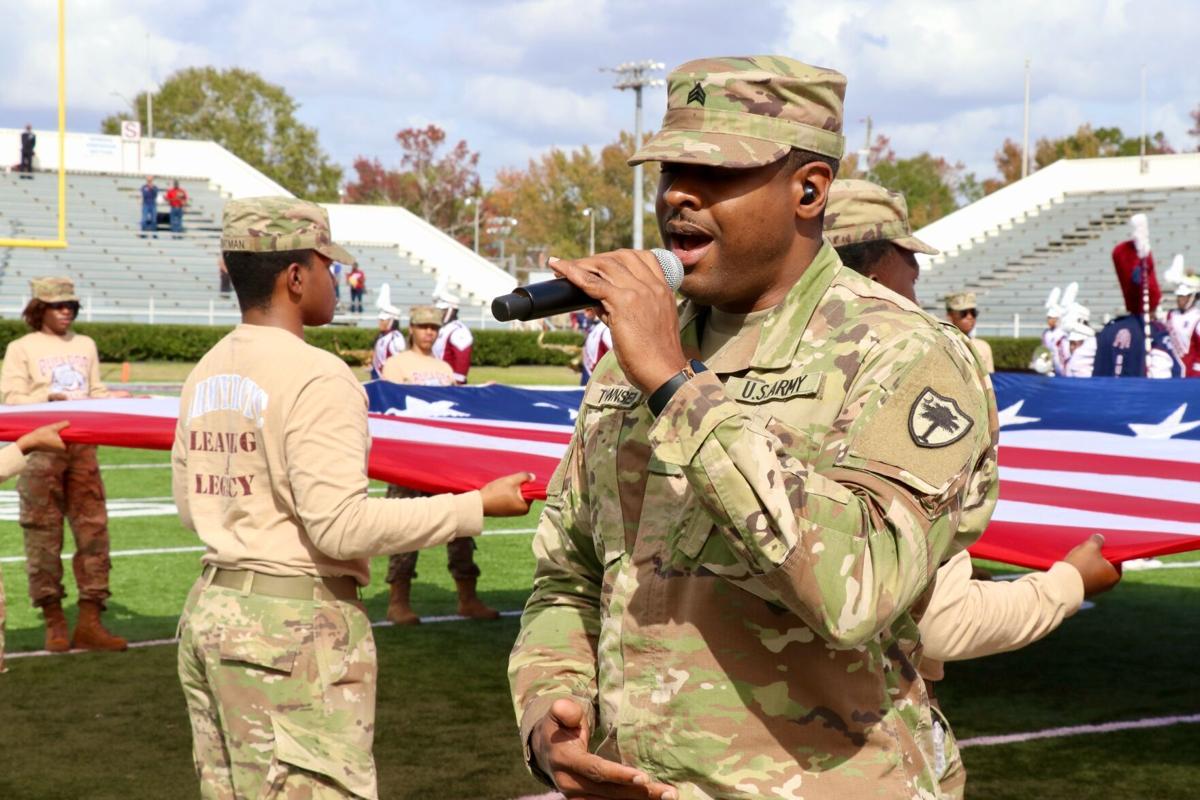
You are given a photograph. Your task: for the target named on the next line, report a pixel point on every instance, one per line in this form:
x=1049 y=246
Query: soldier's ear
x=293 y=277
x=810 y=190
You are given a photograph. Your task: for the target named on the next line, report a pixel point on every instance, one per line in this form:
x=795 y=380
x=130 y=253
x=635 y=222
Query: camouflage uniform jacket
x=726 y=588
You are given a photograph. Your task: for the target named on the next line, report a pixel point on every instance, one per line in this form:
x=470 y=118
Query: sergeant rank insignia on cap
x=936 y=421
x=697 y=95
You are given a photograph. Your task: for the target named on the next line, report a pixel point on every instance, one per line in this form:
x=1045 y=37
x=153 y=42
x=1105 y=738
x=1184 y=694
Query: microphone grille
x=671 y=266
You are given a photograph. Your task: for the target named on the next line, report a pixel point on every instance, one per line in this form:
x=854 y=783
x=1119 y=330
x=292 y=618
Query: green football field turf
x=113 y=725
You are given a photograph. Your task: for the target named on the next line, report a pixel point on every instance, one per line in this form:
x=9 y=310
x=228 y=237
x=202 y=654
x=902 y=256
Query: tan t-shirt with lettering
x=41 y=364
x=413 y=367
x=270 y=465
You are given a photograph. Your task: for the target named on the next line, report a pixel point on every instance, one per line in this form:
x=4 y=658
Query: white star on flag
x=1169 y=427
x=416 y=407
x=1012 y=415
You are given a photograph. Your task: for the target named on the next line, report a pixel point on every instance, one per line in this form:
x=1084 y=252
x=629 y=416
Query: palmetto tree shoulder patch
x=936 y=420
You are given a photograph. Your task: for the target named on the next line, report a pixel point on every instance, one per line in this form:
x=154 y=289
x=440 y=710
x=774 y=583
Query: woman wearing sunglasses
x=53 y=363
x=961 y=310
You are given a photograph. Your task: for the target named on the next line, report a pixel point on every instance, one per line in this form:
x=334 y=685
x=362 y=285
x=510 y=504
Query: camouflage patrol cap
x=861 y=211
x=960 y=301
x=53 y=290
x=746 y=111
x=275 y=224
x=425 y=315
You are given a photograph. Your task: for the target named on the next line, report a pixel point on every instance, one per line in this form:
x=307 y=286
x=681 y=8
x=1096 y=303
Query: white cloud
x=515 y=77
x=525 y=105
x=948 y=76
x=110 y=48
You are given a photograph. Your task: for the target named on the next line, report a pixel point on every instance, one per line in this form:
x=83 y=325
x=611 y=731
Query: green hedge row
x=133 y=342
x=1013 y=355
x=118 y=341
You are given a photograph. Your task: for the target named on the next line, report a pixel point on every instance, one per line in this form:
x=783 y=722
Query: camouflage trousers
x=281 y=695
x=52 y=486
x=403 y=566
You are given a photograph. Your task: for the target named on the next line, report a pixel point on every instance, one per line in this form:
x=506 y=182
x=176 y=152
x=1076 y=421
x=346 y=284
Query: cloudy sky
x=514 y=77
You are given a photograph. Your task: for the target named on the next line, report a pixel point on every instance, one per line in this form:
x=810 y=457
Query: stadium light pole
x=636 y=75
x=477 y=202
x=864 y=155
x=590 y=213
x=1142 y=145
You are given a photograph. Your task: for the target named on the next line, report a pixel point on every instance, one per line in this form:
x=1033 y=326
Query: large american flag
x=1077 y=456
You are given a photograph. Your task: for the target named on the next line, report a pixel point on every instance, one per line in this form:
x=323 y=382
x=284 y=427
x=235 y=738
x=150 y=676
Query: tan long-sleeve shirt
x=269 y=465
x=41 y=364
x=970 y=619
x=12 y=461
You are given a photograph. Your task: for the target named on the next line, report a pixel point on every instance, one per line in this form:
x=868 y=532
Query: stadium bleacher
x=1069 y=239
x=123 y=276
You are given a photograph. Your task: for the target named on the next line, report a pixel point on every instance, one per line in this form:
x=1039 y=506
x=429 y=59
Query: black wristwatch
x=663 y=394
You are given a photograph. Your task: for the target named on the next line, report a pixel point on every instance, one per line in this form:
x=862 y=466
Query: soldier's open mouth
x=690 y=248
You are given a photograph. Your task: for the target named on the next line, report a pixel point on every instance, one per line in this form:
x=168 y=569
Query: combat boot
x=56 y=628
x=90 y=633
x=399 y=611
x=469 y=604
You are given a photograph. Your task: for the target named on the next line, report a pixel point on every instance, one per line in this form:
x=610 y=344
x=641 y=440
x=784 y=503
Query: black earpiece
x=810 y=195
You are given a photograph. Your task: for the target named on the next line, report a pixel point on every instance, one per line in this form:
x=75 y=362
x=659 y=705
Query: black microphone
x=560 y=296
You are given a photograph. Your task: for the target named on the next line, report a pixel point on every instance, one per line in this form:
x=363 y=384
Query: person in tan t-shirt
x=53 y=363
x=418 y=365
x=276 y=657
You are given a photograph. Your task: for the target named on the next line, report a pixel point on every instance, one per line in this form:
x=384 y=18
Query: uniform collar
x=781 y=331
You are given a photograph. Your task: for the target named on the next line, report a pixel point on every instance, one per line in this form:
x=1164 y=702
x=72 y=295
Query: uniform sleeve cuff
x=538 y=708
x=1066 y=585
x=469 y=506
x=697 y=408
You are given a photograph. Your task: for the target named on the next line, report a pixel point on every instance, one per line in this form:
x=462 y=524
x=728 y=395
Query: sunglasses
x=969 y=312
x=66 y=304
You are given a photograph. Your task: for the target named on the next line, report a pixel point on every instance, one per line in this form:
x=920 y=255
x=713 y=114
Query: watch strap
x=658 y=400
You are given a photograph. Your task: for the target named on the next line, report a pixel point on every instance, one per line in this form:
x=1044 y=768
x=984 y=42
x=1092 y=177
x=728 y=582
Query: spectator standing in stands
x=53 y=363
x=177 y=199
x=961 y=310
x=596 y=345
x=417 y=365
x=149 y=207
x=455 y=340
x=28 y=144
x=357 y=281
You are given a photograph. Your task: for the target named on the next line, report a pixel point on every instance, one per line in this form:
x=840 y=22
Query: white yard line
x=158 y=551
x=1137 y=565
x=383 y=623
x=1080 y=730
x=163 y=465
